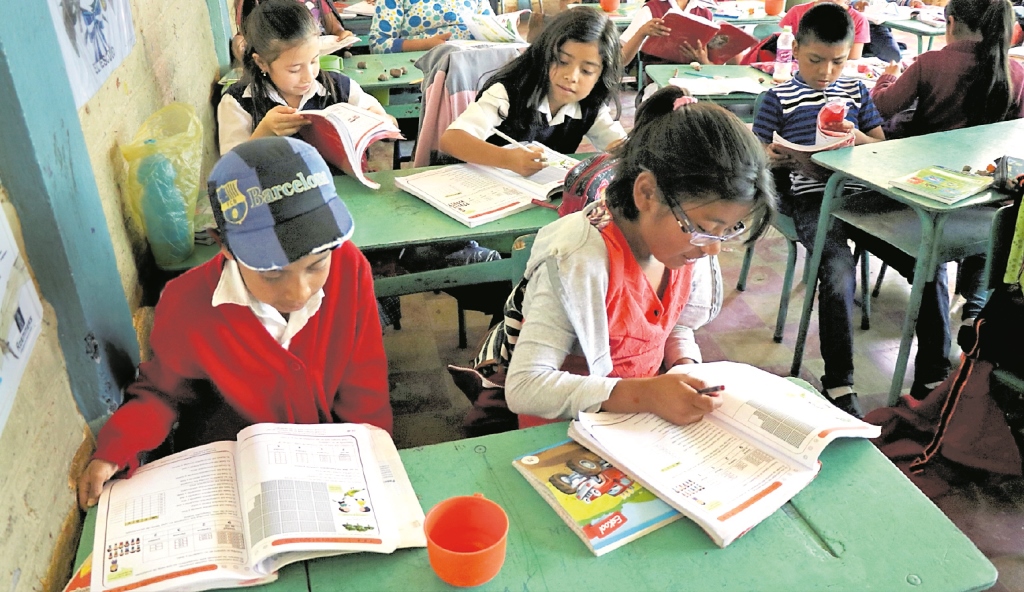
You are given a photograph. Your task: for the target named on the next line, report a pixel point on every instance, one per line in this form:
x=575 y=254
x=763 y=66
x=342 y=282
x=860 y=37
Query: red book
x=343 y=132
x=722 y=40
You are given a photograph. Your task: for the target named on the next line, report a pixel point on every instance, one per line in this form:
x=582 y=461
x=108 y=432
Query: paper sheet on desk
x=886 y=11
x=717 y=86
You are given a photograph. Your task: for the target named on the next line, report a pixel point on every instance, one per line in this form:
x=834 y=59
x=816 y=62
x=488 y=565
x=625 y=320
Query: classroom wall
x=46 y=440
x=173 y=61
x=39 y=442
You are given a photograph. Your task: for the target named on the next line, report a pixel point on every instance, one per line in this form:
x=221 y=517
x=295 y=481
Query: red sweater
x=216 y=370
x=937 y=81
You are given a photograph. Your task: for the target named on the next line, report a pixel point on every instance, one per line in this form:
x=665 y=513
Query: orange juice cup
x=466 y=539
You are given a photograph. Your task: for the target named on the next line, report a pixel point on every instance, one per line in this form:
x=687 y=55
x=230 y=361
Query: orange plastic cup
x=466 y=539
x=609 y=5
x=773 y=7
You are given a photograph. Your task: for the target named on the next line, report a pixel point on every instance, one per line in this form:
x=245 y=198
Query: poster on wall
x=94 y=36
x=21 y=318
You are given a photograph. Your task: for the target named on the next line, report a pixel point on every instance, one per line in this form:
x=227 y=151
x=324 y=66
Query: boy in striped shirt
x=822 y=44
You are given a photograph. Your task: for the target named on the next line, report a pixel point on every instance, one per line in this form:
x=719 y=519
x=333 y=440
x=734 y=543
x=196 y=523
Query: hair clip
x=687 y=100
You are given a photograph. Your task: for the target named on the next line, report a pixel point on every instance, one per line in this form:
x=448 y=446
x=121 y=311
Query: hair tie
x=686 y=100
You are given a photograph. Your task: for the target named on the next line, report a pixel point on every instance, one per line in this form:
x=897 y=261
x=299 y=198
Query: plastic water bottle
x=783 y=70
x=163 y=210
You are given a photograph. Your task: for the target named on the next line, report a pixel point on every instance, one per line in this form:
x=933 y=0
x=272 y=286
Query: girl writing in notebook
x=556 y=92
x=282 y=77
x=605 y=304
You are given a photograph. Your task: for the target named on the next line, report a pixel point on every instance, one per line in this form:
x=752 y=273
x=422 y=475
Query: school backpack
x=585 y=183
x=966 y=429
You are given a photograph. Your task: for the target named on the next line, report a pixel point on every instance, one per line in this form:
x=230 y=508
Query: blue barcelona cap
x=274 y=202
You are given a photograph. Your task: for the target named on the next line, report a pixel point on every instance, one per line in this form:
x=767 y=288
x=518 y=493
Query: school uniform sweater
x=216 y=370
x=938 y=82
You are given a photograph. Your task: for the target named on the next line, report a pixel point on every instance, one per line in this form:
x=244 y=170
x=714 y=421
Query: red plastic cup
x=609 y=5
x=466 y=539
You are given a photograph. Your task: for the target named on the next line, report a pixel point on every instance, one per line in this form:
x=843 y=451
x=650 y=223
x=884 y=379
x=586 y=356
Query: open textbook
x=231 y=514
x=722 y=40
x=823 y=143
x=343 y=132
x=942 y=184
x=739 y=464
x=475 y=194
x=702 y=85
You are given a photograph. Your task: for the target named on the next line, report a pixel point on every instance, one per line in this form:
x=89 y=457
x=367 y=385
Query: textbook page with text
x=739 y=464
x=475 y=194
x=230 y=514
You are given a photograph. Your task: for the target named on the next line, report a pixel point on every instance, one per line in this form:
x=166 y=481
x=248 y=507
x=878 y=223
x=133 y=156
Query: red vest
x=639 y=322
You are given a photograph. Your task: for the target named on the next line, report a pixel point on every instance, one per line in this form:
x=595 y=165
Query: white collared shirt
x=235 y=123
x=231 y=290
x=484 y=115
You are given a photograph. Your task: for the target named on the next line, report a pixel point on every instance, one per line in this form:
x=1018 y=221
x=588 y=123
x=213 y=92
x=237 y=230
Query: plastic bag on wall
x=164 y=161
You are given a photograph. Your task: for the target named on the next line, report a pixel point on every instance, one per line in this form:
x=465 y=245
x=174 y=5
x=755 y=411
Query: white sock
x=840 y=391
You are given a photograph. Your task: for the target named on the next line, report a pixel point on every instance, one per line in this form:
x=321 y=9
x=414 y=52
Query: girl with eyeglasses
x=605 y=300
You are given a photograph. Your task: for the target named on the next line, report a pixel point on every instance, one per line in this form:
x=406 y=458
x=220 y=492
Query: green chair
x=765 y=30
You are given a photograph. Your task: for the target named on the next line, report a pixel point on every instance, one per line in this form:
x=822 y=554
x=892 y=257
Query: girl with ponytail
x=606 y=303
x=971 y=81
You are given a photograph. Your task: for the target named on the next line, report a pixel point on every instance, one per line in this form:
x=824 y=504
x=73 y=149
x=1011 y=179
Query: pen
x=509 y=139
x=711 y=391
x=698 y=74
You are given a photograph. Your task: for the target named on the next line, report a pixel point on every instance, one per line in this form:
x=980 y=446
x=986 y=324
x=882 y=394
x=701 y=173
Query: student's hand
x=862 y=138
x=779 y=158
x=90 y=482
x=654 y=28
x=917 y=4
x=839 y=127
x=689 y=53
x=860 y=5
x=526 y=162
x=893 y=69
x=280 y=121
x=393 y=120
x=344 y=34
x=439 y=39
x=673 y=397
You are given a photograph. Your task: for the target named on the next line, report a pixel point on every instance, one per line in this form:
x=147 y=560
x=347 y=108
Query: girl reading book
x=605 y=304
x=556 y=92
x=282 y=77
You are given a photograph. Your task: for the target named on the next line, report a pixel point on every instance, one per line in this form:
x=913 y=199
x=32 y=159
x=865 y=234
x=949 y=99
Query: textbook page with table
x=230 y=514
x=475 y=194
x=342 y=133
x=739 y=464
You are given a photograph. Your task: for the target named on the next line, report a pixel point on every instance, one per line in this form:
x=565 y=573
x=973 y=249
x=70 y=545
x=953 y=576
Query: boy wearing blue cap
x=281 y=326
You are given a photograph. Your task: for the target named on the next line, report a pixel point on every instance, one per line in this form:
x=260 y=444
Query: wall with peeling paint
x=46 y=440
x=37 y=449
x=173 y=61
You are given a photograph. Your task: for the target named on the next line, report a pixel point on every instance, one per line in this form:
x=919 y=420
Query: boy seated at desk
x=791 y=109
x=281 y=326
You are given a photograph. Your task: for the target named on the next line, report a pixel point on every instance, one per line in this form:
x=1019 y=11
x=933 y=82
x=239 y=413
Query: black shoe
x=919 y=390
x=848 y=403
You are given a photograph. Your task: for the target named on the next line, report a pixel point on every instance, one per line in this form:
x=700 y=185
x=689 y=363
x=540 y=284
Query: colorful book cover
x=602 y=505
x=941 y=184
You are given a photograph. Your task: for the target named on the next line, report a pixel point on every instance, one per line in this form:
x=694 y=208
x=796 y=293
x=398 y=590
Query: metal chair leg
x=787 y=286
x=741 y=284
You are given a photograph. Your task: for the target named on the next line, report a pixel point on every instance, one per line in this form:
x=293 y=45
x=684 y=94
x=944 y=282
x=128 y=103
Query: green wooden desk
x=921 y=30
x=920 y=231
x=399 y=95
x=662 y=73
x=390 y=218
x=859 y=526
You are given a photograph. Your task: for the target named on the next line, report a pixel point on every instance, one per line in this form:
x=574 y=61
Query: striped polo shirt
x=792 y=110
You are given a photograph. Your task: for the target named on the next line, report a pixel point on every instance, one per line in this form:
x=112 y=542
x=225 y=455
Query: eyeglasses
x=698 y=237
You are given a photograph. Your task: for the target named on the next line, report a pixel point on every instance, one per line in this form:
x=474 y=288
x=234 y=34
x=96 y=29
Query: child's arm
x=332 y=26
x=606 y=133
x=363 y=394
x=895 y=92
x=701 y=308
x=639 y=30
x=234 y=124
x=856 y=51
x=465 y=138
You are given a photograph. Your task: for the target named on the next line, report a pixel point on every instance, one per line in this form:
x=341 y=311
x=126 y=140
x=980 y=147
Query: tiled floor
x=429 y=408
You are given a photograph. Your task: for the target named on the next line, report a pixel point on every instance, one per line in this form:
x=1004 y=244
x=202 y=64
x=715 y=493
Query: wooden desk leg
x=924 y=272
x=832 y=200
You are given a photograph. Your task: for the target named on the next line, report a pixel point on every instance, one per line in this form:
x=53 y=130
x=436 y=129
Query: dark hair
x=528 y=73
x=826 y=22
x=273 y=27
x=987 y=99
x=698 y=153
